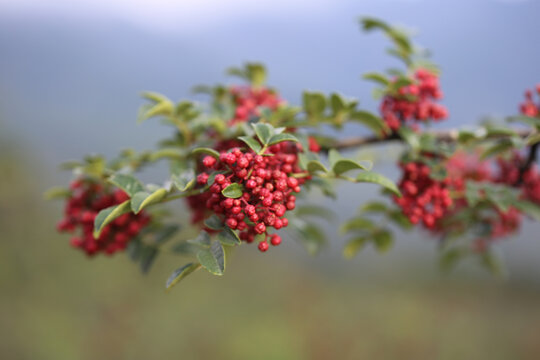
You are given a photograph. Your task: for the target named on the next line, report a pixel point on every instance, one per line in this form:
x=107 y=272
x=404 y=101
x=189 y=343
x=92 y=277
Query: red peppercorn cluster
x=86 y=200
x=268 y=188
x=249 y=101
x=468 y=166
x=415 y=102
x=424 y=199
x=529 y=107
x=509 y=173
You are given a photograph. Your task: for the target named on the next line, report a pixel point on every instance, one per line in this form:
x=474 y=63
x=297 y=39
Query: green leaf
x=185 y=180
x=171 y=153
x=213 y=259
x=313 y=210
x=147 y=257
x=379 y=179
x=154 y=96
x=202 y=240
x=451 y=257
x=353 y=246
x=233 y=191
x=495 y=149
x=252 y=143
x=128 y=183
x=256 y=74
x=205 y=151
x=374 y=207
x=185 y=248
x=377 y=77
x=400 y=82
x=214 y=223
x=264 y=132
x=398 y=218
x=165 y=234
x=494 y=263
x=277 y=138
x=181 y=273
x=356 y=224
x=465 y=136
x=338 y=104
x=372 y=122
x=533 y=121
x=142 y=199
x=409 y=136
x=528 y=208
x=533 y=139
x=472 y=194
x=105 y=216
x=369 y=24
x=315 y=165
x=343 y=165
x=57 y=193
x=228 y=237
x=314 y=103
x=500 y=131
x=383 y=240
x=333 y=157
x=311 y=236
x=163 y=108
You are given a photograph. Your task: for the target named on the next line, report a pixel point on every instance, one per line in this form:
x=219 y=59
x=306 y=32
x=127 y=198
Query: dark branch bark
x=448 y=136
x=529 y=161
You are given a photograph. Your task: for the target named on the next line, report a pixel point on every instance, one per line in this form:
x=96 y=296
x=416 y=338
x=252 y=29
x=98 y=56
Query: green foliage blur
x=57 y=304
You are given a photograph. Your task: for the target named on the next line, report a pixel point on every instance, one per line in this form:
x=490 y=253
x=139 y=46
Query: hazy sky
x=71 y=71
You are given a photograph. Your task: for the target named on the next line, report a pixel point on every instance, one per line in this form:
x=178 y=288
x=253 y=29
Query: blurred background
x=70 y=76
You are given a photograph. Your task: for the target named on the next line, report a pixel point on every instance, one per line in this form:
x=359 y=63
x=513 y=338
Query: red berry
x=263 y=246
x=209 y=161
x=275 y=239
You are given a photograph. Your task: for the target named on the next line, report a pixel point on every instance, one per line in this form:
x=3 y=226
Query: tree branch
x=448 y=136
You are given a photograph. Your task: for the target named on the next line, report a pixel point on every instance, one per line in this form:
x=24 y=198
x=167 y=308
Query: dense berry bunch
x=250 y=100
x=424 y=198
x=511 y=174
x=268 y=186
x=415 y=102
x=462 y=167
x=529 y=107
x=86 y=200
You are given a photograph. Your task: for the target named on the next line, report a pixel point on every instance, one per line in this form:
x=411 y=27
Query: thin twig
x=448 y=136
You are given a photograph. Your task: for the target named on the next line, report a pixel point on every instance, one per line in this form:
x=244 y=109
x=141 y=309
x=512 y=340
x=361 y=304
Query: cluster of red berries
x=268 y=186
x=424 y=198
x=510 y=173
x=249 y=101
x=87 y=199
x=529 y=107
x=464 y=166
x=415 y=102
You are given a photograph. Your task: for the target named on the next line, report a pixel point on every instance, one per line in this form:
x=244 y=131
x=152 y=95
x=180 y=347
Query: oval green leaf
x=205 y=151
x=264 y=132
x=213 y=259
x=105 y=216
x=251 y=142
x=126 y=182
x=277 y=138
x=181 y=273
x=228 y=237
x=142 y=199
x=233 y=191
x=379 y=179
